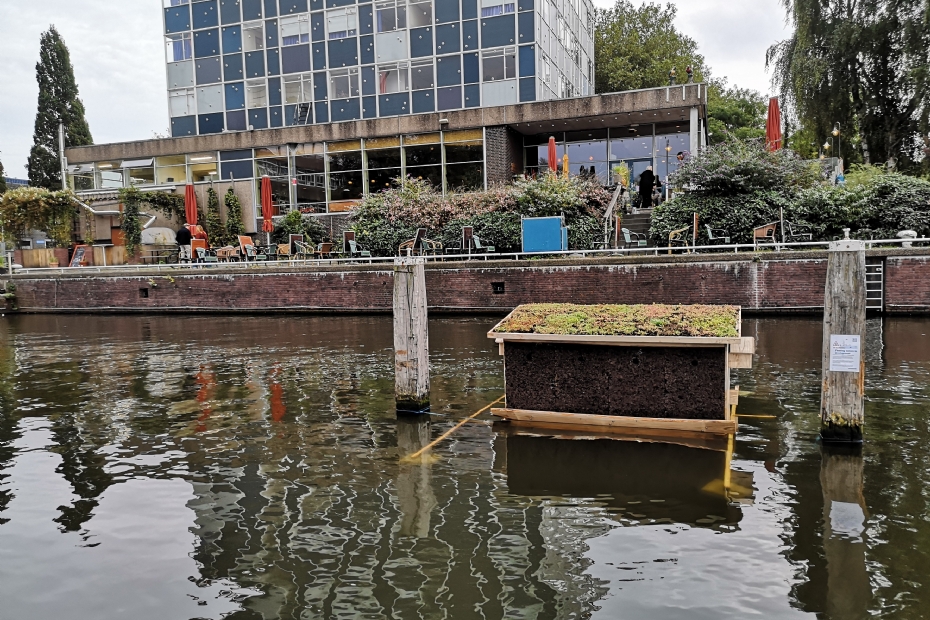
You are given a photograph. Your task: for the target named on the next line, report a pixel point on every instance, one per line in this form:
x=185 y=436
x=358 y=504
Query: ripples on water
x=209 y=467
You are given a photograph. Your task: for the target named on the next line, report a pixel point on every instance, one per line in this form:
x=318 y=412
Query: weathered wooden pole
x=842 y=400
x=411 y=339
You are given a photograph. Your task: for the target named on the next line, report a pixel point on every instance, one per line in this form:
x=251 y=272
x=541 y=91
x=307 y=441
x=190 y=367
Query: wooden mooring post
x=842 y=400
x=411 y=336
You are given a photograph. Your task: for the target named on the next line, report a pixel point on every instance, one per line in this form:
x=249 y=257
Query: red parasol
x=553 y=156
x=190 y=205
x=267 y=206
x=773 y=126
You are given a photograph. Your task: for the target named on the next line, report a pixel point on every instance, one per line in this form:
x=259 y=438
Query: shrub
x=294 y=223
x=34 y=208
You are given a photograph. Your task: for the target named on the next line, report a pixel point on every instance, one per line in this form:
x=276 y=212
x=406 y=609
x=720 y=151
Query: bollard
x=411 y=338
x=842 y=400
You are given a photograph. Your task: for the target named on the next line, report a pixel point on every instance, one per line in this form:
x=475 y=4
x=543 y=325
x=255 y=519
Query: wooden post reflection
x=414 y=478
x=849 y=592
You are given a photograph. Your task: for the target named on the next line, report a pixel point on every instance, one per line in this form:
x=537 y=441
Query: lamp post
x=839 y=143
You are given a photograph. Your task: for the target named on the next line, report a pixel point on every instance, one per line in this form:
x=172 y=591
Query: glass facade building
x=235 y=65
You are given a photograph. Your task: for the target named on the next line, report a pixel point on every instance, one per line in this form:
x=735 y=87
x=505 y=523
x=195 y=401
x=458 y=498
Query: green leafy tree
x=234 y=226
x=35 y=208
x=862 y=64
x=294 y=223
x=636 y=47
x=58 y=103
x=736 y=112
x=2 y=180
x=214 y=225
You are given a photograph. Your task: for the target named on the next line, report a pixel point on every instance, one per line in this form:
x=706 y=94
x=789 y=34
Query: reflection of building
x=329 y=167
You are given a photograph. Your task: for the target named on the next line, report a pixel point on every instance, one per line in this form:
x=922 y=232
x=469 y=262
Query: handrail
x=437 y=258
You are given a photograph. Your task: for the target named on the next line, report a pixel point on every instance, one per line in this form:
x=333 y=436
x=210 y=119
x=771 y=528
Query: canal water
x=252 y=467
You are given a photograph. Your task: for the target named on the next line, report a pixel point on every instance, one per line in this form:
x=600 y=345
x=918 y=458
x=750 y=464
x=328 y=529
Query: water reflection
x=251 y=468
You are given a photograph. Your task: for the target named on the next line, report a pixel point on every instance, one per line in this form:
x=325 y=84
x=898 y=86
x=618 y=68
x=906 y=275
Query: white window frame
x=256 y=94
x=341 y=23
x=304 y=88
x=420 y=14
x=171 y=39
x=502 y=53
x=399 y=8
x=417 y=66
x=350 y=76
x=295 y=26
x=403 y=75
x=250 y=31
x=182 y=102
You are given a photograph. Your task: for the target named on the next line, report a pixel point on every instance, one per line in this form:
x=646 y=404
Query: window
x=499 y=64
x=421 y=14
x=176 y=2
x=295 y=30
x=179 y=47
x=392 y=15
x=256 y=94
x=342 y=23
x=253 y=38
x=343 y=83
x=392 y=78
x=181 y=102
x=298 y=88
x=500 y=9
x=421 y=74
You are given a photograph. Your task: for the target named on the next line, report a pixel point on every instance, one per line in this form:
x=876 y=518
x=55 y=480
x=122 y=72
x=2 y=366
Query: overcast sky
x=116 y=49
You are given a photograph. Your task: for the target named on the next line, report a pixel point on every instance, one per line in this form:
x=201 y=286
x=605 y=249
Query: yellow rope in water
x=453 y=429
x=767 y=417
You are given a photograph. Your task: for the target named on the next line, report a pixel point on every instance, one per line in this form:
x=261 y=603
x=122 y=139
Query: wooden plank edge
x=690 y=439
x=655 y=341
x=716 y=427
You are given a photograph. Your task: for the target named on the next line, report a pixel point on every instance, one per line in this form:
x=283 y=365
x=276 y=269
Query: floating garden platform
x=639 y=367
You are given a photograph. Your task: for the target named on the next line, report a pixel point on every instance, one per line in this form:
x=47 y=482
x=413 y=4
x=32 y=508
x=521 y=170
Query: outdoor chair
x=196 y=245
x=356 y=251
x=204 y=256
x=247 y=247
x=631 y=238
x=678 y=238
x=420 y=245
x=717 y=234
x=325 y=250
x=763 y=234
x=284 y=251
x=227 y=254
x=480 y=247
x=797 y=232
x=303 y=250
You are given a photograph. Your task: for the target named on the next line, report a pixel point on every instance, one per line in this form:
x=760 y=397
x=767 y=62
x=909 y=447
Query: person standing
x=183 y=237
x=647 y=182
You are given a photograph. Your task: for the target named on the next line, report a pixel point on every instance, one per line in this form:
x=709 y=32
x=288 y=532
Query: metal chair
x=798 y=232
x=764 y=233
x=631 y=238
x=678 y=238
x=717 y=234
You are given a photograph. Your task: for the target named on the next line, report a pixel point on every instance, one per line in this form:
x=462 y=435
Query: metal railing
x=387 y=261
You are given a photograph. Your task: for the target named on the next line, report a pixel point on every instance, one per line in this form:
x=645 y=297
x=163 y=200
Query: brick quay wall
x=763 y=282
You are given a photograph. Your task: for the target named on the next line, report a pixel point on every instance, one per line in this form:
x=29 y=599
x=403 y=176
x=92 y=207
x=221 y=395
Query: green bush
x=294 y=223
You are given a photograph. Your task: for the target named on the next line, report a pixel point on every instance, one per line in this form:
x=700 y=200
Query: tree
x=35 y=208
x=213 y=224
x=860 y=63
x=635 y=47
x=234 y=226
x=2 y=180
x=736 y=112
x=58 y=103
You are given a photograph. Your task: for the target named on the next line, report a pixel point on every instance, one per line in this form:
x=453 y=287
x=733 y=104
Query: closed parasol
x=267 y=206
x=190 y=205
x=553 y=156
x=773 y=126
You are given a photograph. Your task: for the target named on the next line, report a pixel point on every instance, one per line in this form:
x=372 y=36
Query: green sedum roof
x=623 y=320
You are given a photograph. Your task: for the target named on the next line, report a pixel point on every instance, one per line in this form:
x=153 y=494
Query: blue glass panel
x=237 y=170
x=235 y=120
x=271 y=8
x=205 y=15
x=470 y=68
x=473 y=96
x=234 y=155
x=207 y=43
x=393 y=105
x=368 y=80
x=295 y=59
x=316 y=5
x=275 y=117
x=319 y=86
x=209 y=70
x=319 y=56
x=183 y=126
x=448 y=70
x=332 y=3
x=447 y=38
x=368 y=49
x=424 y=101
x=470 y=35
x=321 y=112
x=525 y=5
x=343 y=53
x=527 y=60
x=274 y=63
x=229 y=11
x=235 y=96
x=447 y=11
x=254 y=64
x=449 y=98
x=232 y=39
x=271 y=33
x=527 y=27
x=421 y=42
x=289 y=112
x=369 y=107
x=251 y=9
x=178 y=19
x=258 y=118
x=293 y=6
x=317 y=27
x=366 y=19
x=274 y=91
x=211 y=123
x=497 y=31
x=232 y=67
x=345 y=109
x=528 y=89
x=469 y=9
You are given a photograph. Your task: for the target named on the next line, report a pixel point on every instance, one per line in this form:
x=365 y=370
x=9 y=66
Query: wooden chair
x=284 y=251
x=798 y=232
x=717 y=234
x=678 y=238
x=414 y=245
x=764 y=233
x=631 y=238
x=245 y=243
x=324 y=250
x=227 y=254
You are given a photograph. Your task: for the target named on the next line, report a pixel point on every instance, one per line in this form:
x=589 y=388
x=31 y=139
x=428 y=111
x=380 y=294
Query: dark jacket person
x=647 y=182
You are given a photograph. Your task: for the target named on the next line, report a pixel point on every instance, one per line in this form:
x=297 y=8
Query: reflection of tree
x=8 y=422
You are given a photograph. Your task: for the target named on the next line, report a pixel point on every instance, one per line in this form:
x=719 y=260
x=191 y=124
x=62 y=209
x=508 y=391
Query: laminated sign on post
x=845 y=353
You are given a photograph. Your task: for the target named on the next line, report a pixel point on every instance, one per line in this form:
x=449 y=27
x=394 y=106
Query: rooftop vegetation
x=623 y=320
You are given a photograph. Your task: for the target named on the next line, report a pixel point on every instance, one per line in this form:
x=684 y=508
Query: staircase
x=638 y=222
